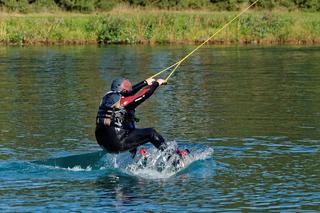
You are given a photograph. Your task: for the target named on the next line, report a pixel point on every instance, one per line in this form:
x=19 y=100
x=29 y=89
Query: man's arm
x=135 y=100
x=135 y=88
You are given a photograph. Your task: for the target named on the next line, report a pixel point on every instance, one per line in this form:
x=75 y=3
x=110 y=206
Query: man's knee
x=154 y=133
x=151 y=130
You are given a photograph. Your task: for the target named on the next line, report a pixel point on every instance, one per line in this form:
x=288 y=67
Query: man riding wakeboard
x=115 y=122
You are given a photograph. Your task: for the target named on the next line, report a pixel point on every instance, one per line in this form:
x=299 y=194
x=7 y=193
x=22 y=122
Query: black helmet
x=120 y=84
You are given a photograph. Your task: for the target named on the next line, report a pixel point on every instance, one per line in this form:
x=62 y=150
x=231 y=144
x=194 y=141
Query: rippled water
x=256 y=107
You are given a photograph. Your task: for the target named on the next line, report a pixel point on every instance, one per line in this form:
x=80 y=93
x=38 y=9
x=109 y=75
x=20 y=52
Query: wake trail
x=156 y=165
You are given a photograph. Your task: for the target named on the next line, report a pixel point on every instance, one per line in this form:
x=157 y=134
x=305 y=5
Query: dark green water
x=257 y=107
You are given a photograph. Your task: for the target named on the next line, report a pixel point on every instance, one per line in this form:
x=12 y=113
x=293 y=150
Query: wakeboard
x=170 y=159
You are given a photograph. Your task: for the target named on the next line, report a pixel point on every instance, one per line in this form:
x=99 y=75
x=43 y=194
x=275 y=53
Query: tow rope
x=177 y=64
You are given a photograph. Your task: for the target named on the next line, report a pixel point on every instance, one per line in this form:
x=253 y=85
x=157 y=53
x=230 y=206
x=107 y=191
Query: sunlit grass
x=156 y=26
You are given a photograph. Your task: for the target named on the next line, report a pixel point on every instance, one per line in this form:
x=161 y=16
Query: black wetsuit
x=118 y=132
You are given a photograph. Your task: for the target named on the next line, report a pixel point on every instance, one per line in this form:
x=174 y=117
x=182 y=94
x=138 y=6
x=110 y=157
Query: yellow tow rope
x=177 y=64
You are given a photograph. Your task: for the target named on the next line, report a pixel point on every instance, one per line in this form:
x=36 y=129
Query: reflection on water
x=258 y=107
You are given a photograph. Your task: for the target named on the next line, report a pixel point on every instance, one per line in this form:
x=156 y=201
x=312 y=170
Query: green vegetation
x=132 y=26
x=157 y=21
x=88 y=6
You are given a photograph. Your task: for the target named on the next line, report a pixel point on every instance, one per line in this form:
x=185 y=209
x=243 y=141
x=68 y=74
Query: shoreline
x=162 y=27
x=214 y=42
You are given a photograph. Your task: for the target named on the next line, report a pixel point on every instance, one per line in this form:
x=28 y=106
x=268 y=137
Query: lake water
x=257 y=107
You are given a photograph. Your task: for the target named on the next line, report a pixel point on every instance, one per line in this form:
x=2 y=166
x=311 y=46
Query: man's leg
x=138 y=137
x=133 y=152
x=107 y=139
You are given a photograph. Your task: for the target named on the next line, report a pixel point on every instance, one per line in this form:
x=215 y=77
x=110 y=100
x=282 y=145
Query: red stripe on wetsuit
x=130 y=99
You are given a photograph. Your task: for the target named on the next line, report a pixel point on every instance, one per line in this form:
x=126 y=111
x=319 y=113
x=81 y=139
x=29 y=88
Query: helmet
x=121 y=84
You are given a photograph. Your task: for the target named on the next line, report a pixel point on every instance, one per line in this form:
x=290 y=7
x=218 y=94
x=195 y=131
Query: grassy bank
x=134 y=26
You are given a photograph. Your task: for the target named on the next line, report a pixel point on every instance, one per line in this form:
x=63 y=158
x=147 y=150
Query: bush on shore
x=160 y=27
x=89 y=6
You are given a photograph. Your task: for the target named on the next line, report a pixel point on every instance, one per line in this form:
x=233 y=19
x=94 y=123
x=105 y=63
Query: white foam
x=76 y=168
x=150 y=169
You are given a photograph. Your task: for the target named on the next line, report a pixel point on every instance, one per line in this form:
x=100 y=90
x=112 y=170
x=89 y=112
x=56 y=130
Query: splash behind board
x=172 y=159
